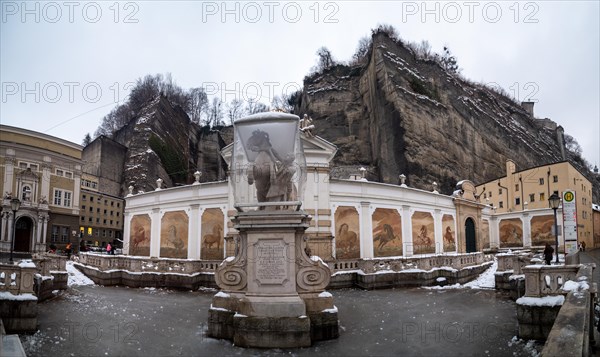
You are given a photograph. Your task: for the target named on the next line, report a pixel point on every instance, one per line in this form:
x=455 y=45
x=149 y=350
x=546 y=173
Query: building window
x=490 y=194
x=97 y=210
x=59 y=172
x=517 y=201
x=97 y=220
x=83 y=197
x=118 y=204
x=531 y=197
x=542 y=196
x=112 y=203
x=104 y=233
x=64 y=234
x=105 y=212
x=69 y=175
x=541 y=181
x=55 y=232
x=556 y=193
x=106 y=202
x=111 y=221
x=91 y=198
x=117 y=214
x=82 y=218
x=104 y=222
x=555 y=178
x=111 y=213
x=26 y=193
x=91 y=209
x=90 y=219
x=501 y=204
x=517 y=187
x=83 y=207
x=499 y=191
x=62 y=197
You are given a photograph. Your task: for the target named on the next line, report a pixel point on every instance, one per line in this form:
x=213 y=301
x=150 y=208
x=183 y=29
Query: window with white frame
x=27 y=165
x=62 y=197
x=26 y=193
x=55 y=232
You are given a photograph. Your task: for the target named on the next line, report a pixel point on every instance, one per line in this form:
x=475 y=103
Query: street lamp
x=554 y=201
x=15 y=204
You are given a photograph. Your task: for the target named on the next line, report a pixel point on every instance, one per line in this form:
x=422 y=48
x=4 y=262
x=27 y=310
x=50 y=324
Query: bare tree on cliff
x=215 y=113
x=360 y=56
x=198 y=104
x=253 y=106
x=235 y=110
x=325 y=59
x=283 y=103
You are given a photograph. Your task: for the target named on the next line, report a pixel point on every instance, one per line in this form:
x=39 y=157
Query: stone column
x=366 y=231
x=155 y=233
x=194 y=237
x=126 y=232
x=45 y=189
x=9 y=171
x=494 y=232
x=526 y=220
x=3 y=233
x=76 y=189
x=407 y=238
x=437 y=228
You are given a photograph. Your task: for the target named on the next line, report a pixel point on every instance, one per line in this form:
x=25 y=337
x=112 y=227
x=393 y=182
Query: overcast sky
x=64 y=65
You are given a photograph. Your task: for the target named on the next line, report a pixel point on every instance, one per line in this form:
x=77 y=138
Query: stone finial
x=197 y=175
x=403 y=180
x=158 y=184
x=130 y=188
x=435 y=187
x=363 y=171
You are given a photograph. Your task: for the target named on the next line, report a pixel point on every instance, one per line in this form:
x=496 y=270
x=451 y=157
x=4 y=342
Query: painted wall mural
x=387 y=232
x=448 y=233
x=423 y=233
x=541 y=230
x=212 y=234
x=347 y=233
x=485 y=234
x=139 y=235
x=174 y=235
x=511 y=233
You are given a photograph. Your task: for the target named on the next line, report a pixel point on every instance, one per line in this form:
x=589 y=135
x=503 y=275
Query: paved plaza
x=117 y=321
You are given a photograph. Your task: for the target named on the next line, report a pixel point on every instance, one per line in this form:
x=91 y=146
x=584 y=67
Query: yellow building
x=44 y=173
x=530 y=189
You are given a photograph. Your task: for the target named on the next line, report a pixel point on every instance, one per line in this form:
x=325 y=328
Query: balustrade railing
x=16 y=279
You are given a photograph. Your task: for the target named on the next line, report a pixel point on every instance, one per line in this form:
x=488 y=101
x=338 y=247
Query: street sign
x=570 y=221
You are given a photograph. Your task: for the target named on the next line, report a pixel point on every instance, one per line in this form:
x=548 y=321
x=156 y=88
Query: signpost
x=570 y=221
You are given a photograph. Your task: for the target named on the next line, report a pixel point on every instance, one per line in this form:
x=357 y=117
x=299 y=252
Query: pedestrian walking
x=108 y=248
x=68 y=250
x=548 y=251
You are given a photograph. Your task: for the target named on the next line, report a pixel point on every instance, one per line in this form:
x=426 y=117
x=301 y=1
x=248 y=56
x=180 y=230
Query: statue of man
x=306 y=126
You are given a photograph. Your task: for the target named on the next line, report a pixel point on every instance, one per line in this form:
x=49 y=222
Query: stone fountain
x=272 y=290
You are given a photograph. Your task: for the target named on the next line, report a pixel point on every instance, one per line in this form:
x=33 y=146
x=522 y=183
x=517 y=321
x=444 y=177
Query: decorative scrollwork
x=231 y=278
x=315 y=278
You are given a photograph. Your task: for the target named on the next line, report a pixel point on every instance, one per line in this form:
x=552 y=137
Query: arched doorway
x=23 y=230
x=471 y=243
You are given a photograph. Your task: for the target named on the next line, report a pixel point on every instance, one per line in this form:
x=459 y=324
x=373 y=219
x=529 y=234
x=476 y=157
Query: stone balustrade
x=149 y=265
x=48 y=263
x=17 y=280
x=398 y=264
x=544 y=280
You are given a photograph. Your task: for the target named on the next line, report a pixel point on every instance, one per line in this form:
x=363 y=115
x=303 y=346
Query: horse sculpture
x=386 y=237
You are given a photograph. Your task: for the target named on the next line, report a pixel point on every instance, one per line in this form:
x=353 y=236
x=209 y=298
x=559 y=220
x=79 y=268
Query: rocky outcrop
x=163 y=143
x=400 y=115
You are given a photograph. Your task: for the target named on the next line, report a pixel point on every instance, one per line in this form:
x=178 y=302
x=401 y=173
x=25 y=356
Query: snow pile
x=485 y=281
x=549 y=301
x=26 y=263
x=571 y=285
x=5 y=295
x=76 y=277
x=325 y=294
x=530 y=347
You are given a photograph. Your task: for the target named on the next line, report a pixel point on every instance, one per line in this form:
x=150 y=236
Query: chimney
x=528 y=106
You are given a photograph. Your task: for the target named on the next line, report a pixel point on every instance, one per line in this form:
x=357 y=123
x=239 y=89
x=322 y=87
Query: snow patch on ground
x=76 y=277
x=531 y=348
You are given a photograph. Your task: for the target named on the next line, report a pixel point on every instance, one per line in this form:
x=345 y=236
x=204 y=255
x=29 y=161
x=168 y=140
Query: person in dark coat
x=548 y=251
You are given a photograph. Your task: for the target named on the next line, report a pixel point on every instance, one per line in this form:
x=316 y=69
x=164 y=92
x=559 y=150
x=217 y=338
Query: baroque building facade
x=44 y=173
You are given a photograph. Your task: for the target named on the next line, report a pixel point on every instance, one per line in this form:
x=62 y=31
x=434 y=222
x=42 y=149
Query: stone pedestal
x=272 y=289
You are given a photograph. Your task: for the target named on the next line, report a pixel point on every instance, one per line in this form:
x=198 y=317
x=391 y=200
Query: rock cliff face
x=163 y=142
x=399 y=115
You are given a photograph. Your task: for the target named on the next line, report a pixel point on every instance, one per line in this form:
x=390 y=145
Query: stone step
x=11 y=346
